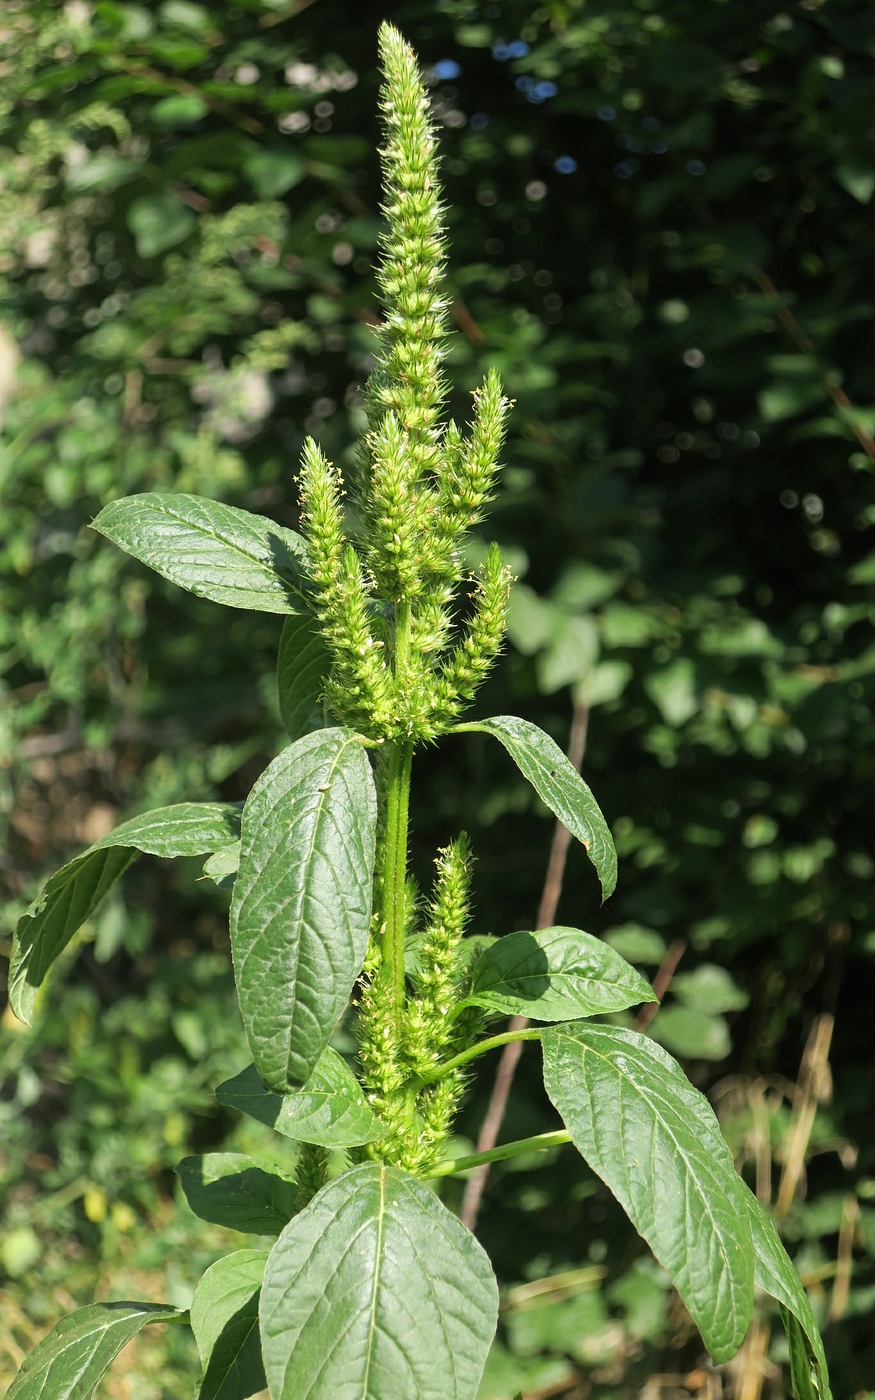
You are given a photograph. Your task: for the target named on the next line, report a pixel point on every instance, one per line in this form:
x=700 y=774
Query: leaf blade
x=73 y=893
x=775 y=1273
x=559 y=785
x=651 y=1158
x=375 y=1291
x=301 y=908
x=238 y=1191
x=555 y=974
x=302 y=665
x=70 y=1360
x=213 y=550
x=224 y=1319
x=330 y=1110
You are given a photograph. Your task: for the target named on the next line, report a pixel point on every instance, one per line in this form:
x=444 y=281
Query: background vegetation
x=662 y=236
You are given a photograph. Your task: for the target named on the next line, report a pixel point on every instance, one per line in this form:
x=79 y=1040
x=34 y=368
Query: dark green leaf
x=376 y=1291
x=224 y=1319
x=330 y=1110
x=302 y=665
x=74 y=892
x=231 y=1189
x=560 y=786
x=775 y=1274
x=301 y=909
x=654 y=1141
x=215 y=551
x=70 y=1360
x=556 y=974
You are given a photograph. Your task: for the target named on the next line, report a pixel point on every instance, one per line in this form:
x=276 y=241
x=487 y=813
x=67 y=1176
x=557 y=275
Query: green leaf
x=775 y=1274
x=222 y=867
x=654 y=1141
x=231 y=1189
x=330 y=1110
x=560 y=786
x=301 y=909
x=182 y=109
x=159 y=222
x=692 y=1033
x=555 y=974
x=215 y=551
x=302 y=665
x=70 y=1360
x=74 y=892
x=376 y=1291
x=224 y=1319
x=274 y=172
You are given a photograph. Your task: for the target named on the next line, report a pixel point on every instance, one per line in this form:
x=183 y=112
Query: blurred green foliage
x=661 y=231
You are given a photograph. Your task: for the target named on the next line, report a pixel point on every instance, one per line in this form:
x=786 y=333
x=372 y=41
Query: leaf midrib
x=673 y=1138
x=378 y=1259
x=219 y=539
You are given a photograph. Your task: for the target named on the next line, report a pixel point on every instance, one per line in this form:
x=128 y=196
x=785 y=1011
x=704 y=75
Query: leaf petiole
x=480 y=1048
x=451 y=1165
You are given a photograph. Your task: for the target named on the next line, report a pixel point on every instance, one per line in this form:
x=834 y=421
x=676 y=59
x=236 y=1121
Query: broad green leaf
x=70 y=1360
x=301 y=909
x=556 y=974
x=213 y=550
x=376 y=1292
x=74 y=892
x=330 y=1110
x=159 y=222
x=654 y=1141
x=222 y=867
x=692 y=1034
x=224 y=1319
x=302 y=665
x=232 y=1189
x=560 y=786
x=775 y=1274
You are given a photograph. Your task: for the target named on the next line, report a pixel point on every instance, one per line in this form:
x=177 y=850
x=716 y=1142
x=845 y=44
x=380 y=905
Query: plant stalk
x=450 y=1165
x=395 y=870
x=397 y=817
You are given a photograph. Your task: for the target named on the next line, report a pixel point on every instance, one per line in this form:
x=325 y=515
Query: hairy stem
x=481 y=1048
x=450 y=1165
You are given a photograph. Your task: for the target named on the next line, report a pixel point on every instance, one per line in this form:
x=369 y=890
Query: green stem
x=480 y=1048
x=397 y=815
x=395 y=870
x=450 y=1165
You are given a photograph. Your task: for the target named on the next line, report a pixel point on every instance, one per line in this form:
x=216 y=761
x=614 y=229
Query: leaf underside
x=74 y=892
x=213 y=550
x=301 y=909
x=556 y=974
x=329 y=1110
x=68 y=1362
x=775 y=1274
x=302 y=665
x=376 y=1292
x=560 y=787
x=654 y=1141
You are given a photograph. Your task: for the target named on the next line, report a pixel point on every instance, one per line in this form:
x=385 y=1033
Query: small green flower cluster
x=395 y=1057
x=386 y=607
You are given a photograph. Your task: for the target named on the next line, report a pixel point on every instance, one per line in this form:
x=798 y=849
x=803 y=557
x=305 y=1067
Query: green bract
x=374 y=1290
